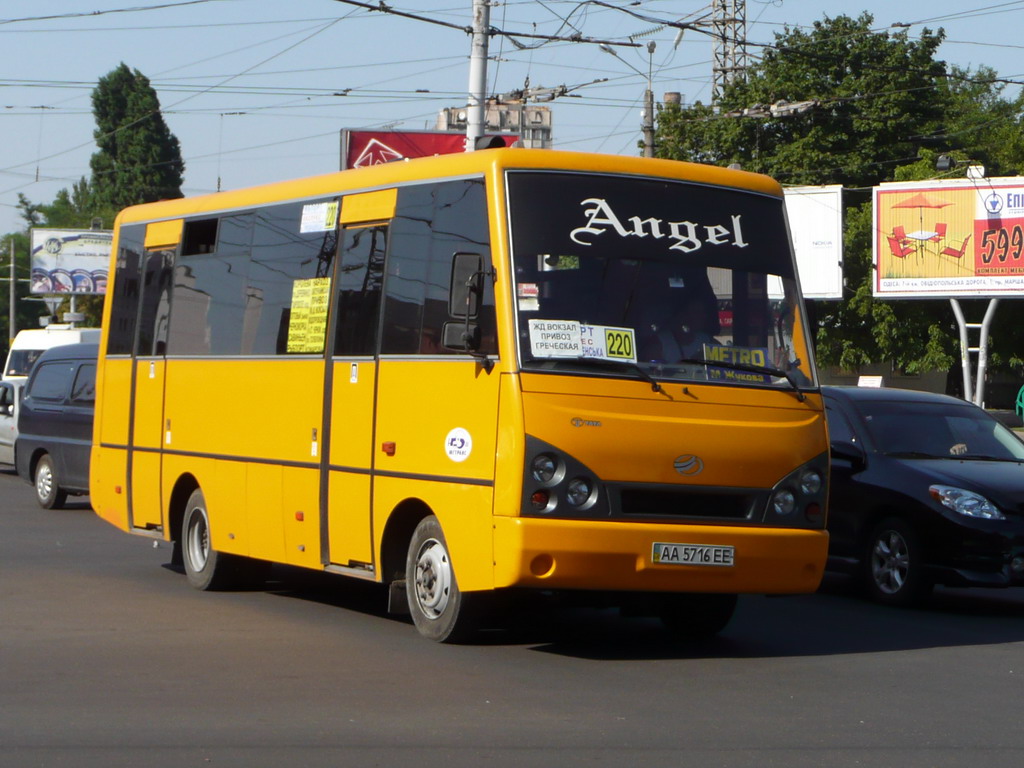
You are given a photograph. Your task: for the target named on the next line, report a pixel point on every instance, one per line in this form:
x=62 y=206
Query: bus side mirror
x=466 y=287
x=465 y=295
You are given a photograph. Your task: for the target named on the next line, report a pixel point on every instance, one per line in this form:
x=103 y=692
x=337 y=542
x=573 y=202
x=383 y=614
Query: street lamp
x=648 y=113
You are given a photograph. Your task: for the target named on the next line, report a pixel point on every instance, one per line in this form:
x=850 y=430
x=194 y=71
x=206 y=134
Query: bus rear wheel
x=439 y=609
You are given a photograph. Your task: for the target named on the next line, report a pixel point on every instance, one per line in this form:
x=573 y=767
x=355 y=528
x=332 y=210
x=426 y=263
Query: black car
x=925 y=489
x=55 y=423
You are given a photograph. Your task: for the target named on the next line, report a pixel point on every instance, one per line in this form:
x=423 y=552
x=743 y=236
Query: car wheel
x=205 y=567
x=439 y=609
x=894 y=572
x=696 y=617
x=48 y=492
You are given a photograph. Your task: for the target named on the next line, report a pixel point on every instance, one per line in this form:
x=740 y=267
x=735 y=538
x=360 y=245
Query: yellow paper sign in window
x=307 y=324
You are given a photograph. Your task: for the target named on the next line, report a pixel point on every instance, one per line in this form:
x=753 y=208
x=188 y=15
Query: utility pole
x=649 y=105
x=477 y=73
x=10 y=318
x=729 y=23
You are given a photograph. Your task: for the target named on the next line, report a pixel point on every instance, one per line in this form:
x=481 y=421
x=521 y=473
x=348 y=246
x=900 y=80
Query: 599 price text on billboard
x=1000 y=248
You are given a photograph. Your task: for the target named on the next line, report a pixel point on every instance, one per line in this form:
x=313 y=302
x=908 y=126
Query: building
x=531 y=122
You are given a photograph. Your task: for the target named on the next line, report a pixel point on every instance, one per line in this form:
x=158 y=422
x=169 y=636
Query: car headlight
x=966 y=503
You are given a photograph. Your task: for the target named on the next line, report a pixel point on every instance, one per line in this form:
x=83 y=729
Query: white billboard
x=70 y=260
x=816 y=225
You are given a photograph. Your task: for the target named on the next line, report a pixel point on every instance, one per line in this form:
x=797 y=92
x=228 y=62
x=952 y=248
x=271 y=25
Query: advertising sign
x=362 y=148
x=816 y=226
x=70 y=260
x=942 y=239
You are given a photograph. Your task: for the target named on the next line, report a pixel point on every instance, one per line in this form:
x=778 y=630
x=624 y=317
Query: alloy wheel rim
x=44 y=482
x=890 y=562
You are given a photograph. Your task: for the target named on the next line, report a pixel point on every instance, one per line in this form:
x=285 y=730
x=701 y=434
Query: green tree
x=139 y=159
x=843 y=104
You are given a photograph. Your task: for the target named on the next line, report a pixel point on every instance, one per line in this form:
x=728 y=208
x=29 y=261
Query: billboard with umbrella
x=958 y=237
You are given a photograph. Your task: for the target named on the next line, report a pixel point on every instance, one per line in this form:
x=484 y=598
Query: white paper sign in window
x=555 y=338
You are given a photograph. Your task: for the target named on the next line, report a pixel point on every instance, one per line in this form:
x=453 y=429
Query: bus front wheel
x=439 y=609
x=205 y=567
x=696 y=617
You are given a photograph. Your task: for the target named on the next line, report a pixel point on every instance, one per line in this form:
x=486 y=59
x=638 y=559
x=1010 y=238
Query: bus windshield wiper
x=770 y=370
x=627 y=364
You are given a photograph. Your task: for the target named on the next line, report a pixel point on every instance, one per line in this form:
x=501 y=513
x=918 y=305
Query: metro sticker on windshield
x=737 y=356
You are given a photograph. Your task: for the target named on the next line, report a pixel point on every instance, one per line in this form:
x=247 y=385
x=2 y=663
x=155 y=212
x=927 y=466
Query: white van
x=28 y=345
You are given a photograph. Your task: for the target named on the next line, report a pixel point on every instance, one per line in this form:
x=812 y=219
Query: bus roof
x=440 y=166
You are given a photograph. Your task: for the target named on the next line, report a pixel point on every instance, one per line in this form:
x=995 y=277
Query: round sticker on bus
x=458 y=445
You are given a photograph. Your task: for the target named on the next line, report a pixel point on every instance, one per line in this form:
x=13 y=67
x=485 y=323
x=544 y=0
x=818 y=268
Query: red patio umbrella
x=921 y=201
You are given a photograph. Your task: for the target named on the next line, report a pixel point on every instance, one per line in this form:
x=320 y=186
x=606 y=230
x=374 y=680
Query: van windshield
x=20 y=361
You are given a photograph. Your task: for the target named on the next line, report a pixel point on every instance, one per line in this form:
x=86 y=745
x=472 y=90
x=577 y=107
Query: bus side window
x=360 y=274
x=433 y=222
x=125 y=293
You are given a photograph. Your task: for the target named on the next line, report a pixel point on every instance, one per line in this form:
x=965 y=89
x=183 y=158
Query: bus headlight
x=783 y=502
x=810 y=482
x=544 y=468
x=578 y=491
x=800 y=498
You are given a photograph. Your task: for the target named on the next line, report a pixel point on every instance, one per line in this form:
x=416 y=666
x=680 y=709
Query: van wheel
x=48 y=493
x=439 y=609
x=205 y=567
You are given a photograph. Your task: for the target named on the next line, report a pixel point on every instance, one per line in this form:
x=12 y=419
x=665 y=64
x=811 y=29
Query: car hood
x=1001 y=482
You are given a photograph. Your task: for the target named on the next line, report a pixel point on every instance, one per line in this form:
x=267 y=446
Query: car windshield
x=938 y=430
x=670 y=280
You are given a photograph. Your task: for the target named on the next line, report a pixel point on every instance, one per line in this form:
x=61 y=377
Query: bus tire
x=696 y=617
x=48 y=492
x=205 y=567
x=437 y=606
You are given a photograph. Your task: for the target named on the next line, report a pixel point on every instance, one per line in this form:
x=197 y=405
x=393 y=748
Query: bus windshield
x=656 y=279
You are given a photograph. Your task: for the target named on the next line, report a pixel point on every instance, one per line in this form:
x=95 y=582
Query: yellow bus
x=469 y=375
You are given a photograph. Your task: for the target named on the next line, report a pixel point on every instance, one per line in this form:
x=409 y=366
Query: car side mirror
x=848 y=451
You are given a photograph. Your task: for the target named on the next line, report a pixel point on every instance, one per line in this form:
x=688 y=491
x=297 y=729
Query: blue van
x=55 y=423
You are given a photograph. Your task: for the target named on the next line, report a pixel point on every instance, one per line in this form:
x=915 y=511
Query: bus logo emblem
x=688 y=465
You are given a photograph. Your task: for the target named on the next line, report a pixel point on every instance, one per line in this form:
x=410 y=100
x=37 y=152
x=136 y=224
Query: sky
x=257 y=90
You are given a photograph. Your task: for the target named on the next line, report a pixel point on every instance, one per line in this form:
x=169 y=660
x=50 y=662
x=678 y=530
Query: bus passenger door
x=349 y=393
x=147 y=428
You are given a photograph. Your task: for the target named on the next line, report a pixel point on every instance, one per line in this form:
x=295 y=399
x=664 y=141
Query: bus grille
x=689 y=502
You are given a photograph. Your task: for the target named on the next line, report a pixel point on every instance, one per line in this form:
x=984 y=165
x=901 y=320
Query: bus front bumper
x=599 y=555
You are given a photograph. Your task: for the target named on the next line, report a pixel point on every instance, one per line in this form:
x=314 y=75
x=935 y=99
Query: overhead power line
x=492 y=31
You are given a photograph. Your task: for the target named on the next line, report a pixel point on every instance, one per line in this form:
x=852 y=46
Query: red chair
x=899 y=250
x=940 y=232
x=957 y=254
x=900 y=234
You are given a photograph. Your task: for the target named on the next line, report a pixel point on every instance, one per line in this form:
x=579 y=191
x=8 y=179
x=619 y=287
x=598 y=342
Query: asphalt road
x=108 y=658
